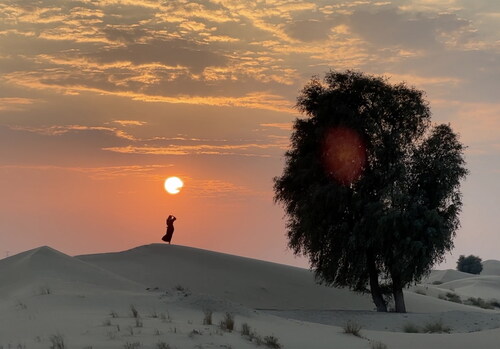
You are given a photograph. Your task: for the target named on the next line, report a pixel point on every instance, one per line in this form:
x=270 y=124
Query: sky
x=101 y=100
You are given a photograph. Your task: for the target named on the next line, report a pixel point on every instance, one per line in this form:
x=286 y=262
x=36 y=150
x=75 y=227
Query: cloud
x=61 y=130
x=176 y=52
x=251 y=149
x=310 y=29
x=14 y=103
x=129 y=122
x=390 y=27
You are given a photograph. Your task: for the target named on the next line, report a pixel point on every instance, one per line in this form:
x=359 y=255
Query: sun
x=173 y=185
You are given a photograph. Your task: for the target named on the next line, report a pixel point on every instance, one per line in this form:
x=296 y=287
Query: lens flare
x=344 y=154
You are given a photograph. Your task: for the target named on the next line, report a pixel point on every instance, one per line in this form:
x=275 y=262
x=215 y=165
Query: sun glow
x=173 y=185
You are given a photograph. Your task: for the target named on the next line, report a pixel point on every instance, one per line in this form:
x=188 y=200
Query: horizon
x=101 y=102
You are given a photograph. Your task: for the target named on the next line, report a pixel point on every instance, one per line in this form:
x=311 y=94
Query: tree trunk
x=377 y=296
x=397 y=292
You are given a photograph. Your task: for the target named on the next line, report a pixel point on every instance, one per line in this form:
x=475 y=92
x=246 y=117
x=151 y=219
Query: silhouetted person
x=170 y=229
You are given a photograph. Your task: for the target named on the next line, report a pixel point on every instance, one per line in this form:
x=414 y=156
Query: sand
x=86 y=301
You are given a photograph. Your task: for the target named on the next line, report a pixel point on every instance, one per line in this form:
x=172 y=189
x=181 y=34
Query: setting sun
x=173 y=185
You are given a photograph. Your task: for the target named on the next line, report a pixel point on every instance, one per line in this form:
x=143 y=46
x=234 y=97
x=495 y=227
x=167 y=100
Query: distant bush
x=57 y=342
x=470 y=264
x=353 y=328
x=207 y=319
x=479 y=302
x=135 y=312
x=495 y=303
x=436 y=327
x=453 y=297
x=245 y=329
x=272 y=342
x=228 y=322
x=163 y=345
x=410 y=328
x=377 y=345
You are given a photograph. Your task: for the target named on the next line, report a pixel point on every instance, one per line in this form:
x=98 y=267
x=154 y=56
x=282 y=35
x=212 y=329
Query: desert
x=168 y=296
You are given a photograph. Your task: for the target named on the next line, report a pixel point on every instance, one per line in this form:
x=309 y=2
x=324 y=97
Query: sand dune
x=442 y=276
x=491 y=267
x=86 y=290
x=45 y=267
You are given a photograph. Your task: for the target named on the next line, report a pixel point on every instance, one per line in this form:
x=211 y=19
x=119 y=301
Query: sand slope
x=86 y=290
x=253 y=283
x=491 y=267
x=45 y=267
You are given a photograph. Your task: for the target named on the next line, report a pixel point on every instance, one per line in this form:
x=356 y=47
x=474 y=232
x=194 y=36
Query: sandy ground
x=88 y=301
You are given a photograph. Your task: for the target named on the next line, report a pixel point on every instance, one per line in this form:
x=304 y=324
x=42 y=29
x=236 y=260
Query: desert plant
x=410 y=328
x=56 y=341
x=135 y=312
x=163 y=345
x=377 y=345
x=272 y=342
x=245 y=329
x=494 y=303
x=207 y=319
x=453 y=297
x=228 y=322
x=479 y=302
x=44 y=290
x=133 y=345
x=470 y=264
x=436 y=327
x=353 y=328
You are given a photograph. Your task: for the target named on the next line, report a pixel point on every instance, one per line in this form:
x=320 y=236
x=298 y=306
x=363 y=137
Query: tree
x=470 y=264
x=370 y=188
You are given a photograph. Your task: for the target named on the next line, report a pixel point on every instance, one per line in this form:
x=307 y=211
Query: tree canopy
x=470 y=264
x=370 y=188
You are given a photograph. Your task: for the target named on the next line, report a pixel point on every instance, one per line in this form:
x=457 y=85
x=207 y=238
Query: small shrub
x=436 y=327
x=207 y=319
x=228 y=322
x=453 y=297
x=245 y=329
x=479 y=302
x=163 y=345
x=353 y=328
x=134 y=345
x=410 y=328
x=494 y=303
x=437 y=282
x=44 y=290
x=193 y=333
x=272 y=342
x=135 y=312
x=377 y=345
x=57 y=342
